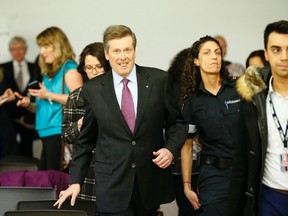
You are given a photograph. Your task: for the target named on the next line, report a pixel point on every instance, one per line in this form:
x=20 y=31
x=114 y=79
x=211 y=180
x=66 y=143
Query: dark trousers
x=7 y=134
x=185 y=208
x=273 y=202
x=135 y=207
x=213 y=186
x=215 y=209
x=51 y=152
x=26 y=140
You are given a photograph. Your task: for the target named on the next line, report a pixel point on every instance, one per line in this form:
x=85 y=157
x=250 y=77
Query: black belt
x=221 y=163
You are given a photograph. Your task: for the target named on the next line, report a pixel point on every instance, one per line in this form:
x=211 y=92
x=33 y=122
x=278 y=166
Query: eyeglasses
x=90 y=68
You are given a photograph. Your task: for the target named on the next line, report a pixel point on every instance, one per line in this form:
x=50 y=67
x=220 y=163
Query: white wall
x=162 y=27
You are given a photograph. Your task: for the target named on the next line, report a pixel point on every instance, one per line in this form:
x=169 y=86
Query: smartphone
x=34 y=85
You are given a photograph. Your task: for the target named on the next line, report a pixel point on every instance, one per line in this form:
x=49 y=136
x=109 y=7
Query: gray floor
x=169 y=209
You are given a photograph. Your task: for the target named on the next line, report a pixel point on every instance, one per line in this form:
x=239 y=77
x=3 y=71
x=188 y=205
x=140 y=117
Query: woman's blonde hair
x=62 y=49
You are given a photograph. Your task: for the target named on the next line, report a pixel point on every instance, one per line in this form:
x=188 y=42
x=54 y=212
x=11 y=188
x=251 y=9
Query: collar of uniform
x=225 y=82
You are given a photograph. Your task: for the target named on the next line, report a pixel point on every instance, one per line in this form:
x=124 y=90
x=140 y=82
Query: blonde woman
x=60 y=77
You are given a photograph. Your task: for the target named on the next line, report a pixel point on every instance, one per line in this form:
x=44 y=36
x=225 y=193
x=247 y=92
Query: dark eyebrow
x=212 y=49
x=275 y=46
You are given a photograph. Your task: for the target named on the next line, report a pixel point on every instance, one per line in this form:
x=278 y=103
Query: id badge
x=284 y=162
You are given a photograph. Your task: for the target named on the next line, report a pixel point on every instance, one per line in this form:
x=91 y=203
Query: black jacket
x=250 y=152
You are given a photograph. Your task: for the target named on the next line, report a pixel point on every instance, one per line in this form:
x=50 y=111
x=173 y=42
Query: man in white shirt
x=259 y=182
x=17 y=74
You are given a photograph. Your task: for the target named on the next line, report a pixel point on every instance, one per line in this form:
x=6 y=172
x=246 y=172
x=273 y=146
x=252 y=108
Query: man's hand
x=9 y=93
x=7 y=96
x=163 y=158
x=72 y=191
x=23 y=101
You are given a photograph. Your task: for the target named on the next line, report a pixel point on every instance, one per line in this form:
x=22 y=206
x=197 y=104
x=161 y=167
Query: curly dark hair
x=192 y=72
x=183 y=70
x=176 y=72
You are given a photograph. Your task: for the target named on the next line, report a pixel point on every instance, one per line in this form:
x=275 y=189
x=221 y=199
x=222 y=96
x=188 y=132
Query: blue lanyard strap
x=277 y=123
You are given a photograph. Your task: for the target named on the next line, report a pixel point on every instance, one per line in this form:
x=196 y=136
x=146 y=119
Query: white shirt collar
x=16 y=63
x=271 y=91
x=117 y=79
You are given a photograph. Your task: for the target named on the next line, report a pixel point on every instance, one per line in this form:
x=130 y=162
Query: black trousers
x=135 y=207
x=51 y=153
x=215 y=209
x=26 y=140
x=213 y=185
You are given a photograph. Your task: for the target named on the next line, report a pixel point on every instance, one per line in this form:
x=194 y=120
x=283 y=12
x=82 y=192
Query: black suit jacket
x=122 y=155
x=9 y=76
x=10 y=82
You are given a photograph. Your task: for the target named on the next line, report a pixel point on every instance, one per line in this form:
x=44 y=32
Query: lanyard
x=283 y=135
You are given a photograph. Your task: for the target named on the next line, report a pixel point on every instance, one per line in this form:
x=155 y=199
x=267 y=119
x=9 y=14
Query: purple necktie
x=127 y=105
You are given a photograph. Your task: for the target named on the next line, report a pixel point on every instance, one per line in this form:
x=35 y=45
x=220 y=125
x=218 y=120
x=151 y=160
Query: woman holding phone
x=60 y=77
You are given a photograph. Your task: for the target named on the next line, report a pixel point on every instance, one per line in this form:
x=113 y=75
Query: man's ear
x=266 y=55
x=106 y=55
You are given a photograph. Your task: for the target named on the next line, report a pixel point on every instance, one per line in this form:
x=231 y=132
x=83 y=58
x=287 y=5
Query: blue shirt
x=49 y=116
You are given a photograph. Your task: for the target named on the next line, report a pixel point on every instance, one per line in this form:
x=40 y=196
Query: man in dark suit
x=132 y=167
x=7 y=142
x=17 y=74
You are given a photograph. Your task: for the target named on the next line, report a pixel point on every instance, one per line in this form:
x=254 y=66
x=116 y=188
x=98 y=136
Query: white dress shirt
x=273 y=177
x=25 y=73
x=132 y=85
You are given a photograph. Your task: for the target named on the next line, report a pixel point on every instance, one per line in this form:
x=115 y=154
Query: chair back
x=45 y=213
x=15 y=166
x=17 y=162
x=10 y=196
x=82 y=205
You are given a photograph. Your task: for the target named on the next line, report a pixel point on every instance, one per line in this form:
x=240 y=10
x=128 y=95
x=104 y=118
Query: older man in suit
x=17 y=74
x=132 y=167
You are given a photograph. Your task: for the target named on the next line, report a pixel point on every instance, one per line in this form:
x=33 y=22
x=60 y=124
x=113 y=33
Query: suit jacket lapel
x=144 y=89
x=10 y=74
